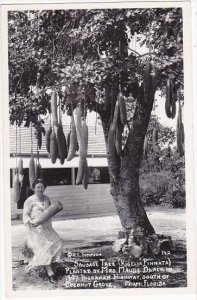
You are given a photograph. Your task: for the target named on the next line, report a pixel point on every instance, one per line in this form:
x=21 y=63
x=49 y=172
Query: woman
x=43 y=240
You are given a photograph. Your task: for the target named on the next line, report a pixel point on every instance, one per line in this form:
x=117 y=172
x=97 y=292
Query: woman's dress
x=43 y=240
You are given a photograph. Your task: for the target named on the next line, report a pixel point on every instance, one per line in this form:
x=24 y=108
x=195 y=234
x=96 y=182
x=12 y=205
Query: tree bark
x=124 y=169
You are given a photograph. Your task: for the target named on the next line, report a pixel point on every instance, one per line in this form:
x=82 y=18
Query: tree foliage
x=78 y=52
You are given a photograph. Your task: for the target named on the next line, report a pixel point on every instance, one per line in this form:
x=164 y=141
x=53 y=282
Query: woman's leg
x=49 y=270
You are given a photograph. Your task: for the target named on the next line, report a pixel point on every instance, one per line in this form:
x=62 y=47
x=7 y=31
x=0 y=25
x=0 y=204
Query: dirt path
x=96 y=235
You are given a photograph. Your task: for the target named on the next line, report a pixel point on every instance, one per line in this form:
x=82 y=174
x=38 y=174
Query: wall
x=96 y=201
x=78 y=202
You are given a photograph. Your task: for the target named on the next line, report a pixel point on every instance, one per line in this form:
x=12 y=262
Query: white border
x=117 y=293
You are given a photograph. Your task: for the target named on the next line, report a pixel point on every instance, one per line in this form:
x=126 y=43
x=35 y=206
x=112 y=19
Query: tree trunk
x=124 y=169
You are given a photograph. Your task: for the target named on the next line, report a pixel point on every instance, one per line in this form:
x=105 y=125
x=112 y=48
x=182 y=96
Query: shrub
x=153 y=187
x=165 y=186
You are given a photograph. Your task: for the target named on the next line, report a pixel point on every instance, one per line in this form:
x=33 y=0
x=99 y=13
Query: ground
x=96 y=236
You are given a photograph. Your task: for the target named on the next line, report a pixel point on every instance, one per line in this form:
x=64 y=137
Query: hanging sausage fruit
x=78 y=114
x=20 y=165
x=82 y=136
x=82 y=174
x=32 y=175
x=73 y=143
x=16 y=188
x=84 y=140
x=38 y=170
x=83 y=147
x=118 y=139
x=16 y=182
x=53 y=147
x=68 y=140
x=47 y=136
x=84 y=151
x=81 y=170
x=150 y=79
x=114 y=144
x=39 y=137
x=61 y=139
x=54 y=108
x=123 y=111
x=61 y=143
x=180 y=132
x=85 y=179
x=170 y=103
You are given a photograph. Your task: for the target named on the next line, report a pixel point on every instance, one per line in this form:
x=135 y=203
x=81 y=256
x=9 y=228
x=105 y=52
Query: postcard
x=98 y=149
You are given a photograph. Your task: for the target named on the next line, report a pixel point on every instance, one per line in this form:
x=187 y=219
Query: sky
x=160 y=112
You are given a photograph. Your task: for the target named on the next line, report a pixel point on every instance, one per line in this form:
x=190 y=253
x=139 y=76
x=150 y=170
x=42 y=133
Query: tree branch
x=134 y=51
x=140 y=55
x=140 y=122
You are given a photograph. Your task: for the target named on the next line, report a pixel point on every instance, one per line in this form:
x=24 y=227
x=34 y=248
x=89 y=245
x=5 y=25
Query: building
x=60 y=179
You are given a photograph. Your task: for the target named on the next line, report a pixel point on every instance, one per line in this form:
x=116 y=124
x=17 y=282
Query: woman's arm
x=49 y=212
x=27 y=211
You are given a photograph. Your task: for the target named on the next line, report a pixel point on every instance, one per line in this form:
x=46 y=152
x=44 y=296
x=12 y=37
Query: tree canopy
x=79 y=52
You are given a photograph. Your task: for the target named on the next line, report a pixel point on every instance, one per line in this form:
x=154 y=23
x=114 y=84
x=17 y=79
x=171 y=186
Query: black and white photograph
x=98 y=128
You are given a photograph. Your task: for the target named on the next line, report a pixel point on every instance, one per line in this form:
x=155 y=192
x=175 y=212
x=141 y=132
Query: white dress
x=43 y=240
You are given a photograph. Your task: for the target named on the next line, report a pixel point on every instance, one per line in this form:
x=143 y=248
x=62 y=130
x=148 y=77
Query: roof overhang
x=47 y=164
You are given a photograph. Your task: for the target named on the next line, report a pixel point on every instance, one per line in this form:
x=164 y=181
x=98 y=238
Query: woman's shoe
x=52 y=279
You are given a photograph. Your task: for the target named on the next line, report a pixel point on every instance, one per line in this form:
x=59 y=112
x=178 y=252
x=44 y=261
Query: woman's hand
x=27 y=221
x=34 y=223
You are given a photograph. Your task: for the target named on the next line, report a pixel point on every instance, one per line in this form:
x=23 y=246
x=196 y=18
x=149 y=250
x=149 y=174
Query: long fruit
x=73 y=144
x=16 y=189
x=84 y=140
x=54 y=108
x=118 y=139
x=68 y=140
x=53 y=147
x=85 y=179
x=47 y=138
x=122 y=106
x=168 y=101
x=180 y=132
x=51 y=211
x=39 y=138
x=78 y=114
x=20 y=166
x=32 y=175
x=61 y=143
x=20 y=170
x=38 y=170
x=81 y=170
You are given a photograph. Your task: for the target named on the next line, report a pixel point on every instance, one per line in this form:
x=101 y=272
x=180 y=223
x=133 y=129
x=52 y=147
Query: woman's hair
x=39 y=180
